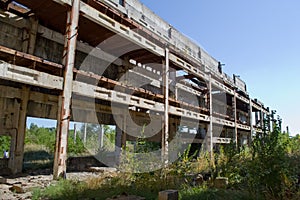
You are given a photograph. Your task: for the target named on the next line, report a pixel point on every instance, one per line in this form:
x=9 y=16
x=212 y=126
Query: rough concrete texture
x=168 y=195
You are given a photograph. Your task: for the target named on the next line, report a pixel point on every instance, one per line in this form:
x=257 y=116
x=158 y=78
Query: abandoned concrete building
x=115 y=62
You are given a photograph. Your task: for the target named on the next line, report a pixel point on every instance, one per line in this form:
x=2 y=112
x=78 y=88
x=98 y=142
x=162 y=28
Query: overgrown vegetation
x=4 y=144
x=40 y=144
x=267 y=169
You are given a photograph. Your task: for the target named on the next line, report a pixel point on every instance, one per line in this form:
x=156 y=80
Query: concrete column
x=256 y=119
x=118 y=145
x=29 y=36
x=251 y=122
x=11 y=160
x=235 y=118
x=75 y=134
x=262 y=122
x=100 y=137
x=84 y=133
x=165 y=132
x=63 y=120
x=124 y=135
x=18 y=151
x=210 y=127
x=172 y=80
x=32 y=34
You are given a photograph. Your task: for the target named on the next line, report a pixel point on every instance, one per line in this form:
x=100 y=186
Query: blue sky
x=258 y=40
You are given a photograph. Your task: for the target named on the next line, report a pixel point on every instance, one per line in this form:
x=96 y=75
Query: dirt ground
x=21 y=186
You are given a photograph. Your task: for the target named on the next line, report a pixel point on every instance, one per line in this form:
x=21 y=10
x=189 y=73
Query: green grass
x=204 y=193
x=103 y=189
x=65 y=189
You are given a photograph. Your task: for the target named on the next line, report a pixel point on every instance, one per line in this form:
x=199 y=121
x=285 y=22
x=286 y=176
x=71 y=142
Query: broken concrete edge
x=168 y=195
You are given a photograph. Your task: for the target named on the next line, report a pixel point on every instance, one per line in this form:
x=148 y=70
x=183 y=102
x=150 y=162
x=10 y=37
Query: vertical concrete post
x=11 y=164
x=84 y=133
x=210 y=128
x=118 y=145
x=270 y=122
x=29 y=36
x=18 y=145
x=63 y=120
x=262 y=120
x=75 y=133
x=124 y=135
x=250 y=121
x=235 y=118
x=256 y=118
x=100 y=136
x=165 y=132
x=32 y=34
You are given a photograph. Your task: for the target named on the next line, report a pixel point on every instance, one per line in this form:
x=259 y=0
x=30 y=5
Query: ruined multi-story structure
x=115 y=62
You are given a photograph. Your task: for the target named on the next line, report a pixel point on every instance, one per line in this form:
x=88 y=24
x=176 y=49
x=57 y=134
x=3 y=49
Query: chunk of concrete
x=168 y=195
x=221 y=182
x=17 y=189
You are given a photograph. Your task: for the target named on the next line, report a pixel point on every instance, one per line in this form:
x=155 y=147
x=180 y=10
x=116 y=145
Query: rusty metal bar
x=27 y=56
x=59 y=168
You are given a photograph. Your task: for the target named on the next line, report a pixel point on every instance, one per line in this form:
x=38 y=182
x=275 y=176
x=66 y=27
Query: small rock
x=168 y=195
x=103 y=169
x=17 y=189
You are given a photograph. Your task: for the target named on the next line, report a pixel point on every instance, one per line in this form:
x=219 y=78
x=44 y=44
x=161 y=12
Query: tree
x=269 y=169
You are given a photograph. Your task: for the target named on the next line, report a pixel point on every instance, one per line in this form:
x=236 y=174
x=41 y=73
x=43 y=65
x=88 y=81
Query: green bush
x=4 y=144
x=47 y=136
x=269 y=170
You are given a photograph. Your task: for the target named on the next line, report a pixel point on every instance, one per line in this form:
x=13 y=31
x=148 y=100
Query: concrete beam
x=29 y=76
x=223 y=122
x=220 y=140
x=240 y=97
x=222 y=86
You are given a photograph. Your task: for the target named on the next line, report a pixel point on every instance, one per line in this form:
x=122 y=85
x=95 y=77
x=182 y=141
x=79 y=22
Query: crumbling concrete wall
x=11 y=36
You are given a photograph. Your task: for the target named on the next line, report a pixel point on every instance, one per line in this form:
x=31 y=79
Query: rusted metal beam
x=21 y=55
x=59 y=169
